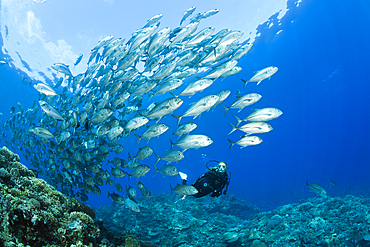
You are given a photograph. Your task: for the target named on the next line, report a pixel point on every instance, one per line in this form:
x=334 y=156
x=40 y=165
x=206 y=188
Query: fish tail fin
x=171 y=188
x=233 y=128
x=307 y=183
x=178 y=118
x=171 y=144
x=150 y=96
x=129 y=175
x=158 y=158
x=156 y=170
x=174 y=95
x=226 y=108
x=245 y=82
x=232 y=143
x=238 y=120
x=108 y=193
x=139 y=138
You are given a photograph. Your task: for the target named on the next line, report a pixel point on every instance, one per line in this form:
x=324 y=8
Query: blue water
x=321 y=87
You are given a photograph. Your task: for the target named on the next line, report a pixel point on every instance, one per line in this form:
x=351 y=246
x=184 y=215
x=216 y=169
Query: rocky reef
x=169 y=221
x=33 y=213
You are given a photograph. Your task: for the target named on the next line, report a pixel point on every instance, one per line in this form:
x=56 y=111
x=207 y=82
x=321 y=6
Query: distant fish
x=318 y=189
x=2 y=63
x=187 y=14
x=62 y=68
x=78 y=60
x=209 y=13
x=332 y=182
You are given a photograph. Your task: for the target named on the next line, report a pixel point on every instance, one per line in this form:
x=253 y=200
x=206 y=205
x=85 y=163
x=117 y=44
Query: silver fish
x=153 y=20
x=144 y=152
x=262 y=115
x=44 y=89
x=62 y=68
x=192 y=141
x=135 y=123
x=261 y=75
x=171 y=156
x=153 y=131
x=185 y=128
x=139 y=171
x=132 y=205
x=51 y=111
x=204 y=104
x=116 y=198
x=185 y=190
x=242 y=101
x=165 y=107
x=114 y=132
x=252 y=128
x=167 y=170
x=102 y=115
x=246 y=141
x=187 y=13
x=318 y=189
x=44 y=133
x=196 y=86
x=222 y=95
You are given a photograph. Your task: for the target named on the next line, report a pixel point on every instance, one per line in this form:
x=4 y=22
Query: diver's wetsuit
x=212 y=181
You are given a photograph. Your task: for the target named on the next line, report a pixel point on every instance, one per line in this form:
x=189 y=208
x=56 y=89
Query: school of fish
x=78 y=122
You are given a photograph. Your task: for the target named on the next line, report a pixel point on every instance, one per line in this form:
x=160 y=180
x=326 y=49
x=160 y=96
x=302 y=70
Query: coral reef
x=166 y=220
x=169 y=221
x=33 y=213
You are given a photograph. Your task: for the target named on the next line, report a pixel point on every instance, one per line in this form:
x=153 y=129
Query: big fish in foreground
x=192 y=141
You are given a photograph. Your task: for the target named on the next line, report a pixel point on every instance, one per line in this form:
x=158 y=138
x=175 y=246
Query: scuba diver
x=213 y=181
